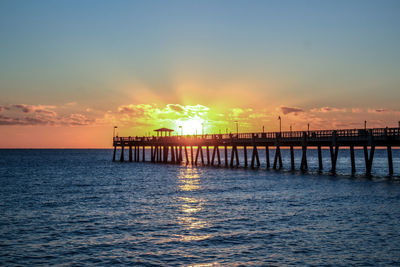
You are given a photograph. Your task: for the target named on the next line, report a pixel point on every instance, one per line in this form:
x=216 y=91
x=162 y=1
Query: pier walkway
x=174 y=149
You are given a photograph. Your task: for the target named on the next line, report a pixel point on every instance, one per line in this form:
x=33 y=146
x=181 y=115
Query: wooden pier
x=176 y=149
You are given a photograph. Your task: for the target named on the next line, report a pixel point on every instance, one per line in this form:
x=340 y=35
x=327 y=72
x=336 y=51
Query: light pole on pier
x=365 y=125
x=180 y=126
x=280 y=124
x=237 y=128
x=115 y=127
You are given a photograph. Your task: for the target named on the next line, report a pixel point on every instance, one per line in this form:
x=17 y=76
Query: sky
x=72 y=70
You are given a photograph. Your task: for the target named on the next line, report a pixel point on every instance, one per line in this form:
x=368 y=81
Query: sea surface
x=78 y=208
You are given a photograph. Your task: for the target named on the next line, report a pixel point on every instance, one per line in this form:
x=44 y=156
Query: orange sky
x=71 y=71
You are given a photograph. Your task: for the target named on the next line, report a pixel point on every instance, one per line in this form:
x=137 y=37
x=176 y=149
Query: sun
x=191 y=126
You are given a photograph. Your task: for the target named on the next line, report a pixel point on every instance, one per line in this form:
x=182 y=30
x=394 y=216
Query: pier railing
x=291 y=135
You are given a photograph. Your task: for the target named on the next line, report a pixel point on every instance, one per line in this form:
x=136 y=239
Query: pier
x=212 y=149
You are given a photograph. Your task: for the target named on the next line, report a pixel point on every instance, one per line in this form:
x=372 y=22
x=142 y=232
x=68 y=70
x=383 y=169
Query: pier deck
x=174 y=149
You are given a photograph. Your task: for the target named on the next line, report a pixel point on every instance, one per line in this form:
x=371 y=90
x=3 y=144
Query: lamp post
x=280 y=124
x=365 y=125
x=202 y=128
x=237 y=128
x=308 y=127
x=180 y=126
x=115 y=127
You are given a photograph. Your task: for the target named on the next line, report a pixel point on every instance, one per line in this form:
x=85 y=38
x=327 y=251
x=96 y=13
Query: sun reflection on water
x=190 y=206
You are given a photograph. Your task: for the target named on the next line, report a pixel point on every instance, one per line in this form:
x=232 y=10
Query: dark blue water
x=76 y=207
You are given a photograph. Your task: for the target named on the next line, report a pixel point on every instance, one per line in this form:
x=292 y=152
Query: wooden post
x=237 y=156
x=267 y=157
x=201 y=154
x=177 y=154
x=173 y=154
x=254 y=157
x=166 y=151
x=320 y=166
x=257 y=157
x=278 y=158
x=134 y=152
x=232 y=155
x=208 y=156
x=144 y=154
x=130 y=153
x=219 y=157
x=213 y=156
x=191 y=155
x=226 y=156
x=180 y=154
x=122 y=153
x=369 y=159
x=187 y=156
x=390 y=160
x=292 y=157
x=151 y=153
x=245 y=157
x=334 y=155
x=353 y=162
x=115 y=152
x=304 y=164
x=197 y=155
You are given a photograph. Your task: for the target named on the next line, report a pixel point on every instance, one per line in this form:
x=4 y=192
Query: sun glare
x=190 y=126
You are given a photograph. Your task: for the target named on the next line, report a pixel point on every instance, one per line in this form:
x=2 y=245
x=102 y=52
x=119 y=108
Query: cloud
x=288 y=110
x=328 y=109
x=356 y=110
x=34 y=108
x=24 y=115
x=379 y=110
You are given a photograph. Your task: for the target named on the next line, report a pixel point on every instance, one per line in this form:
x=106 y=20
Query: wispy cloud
x=328 y=109
x=288 y=110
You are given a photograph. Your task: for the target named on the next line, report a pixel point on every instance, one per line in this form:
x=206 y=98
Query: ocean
x=78 y=208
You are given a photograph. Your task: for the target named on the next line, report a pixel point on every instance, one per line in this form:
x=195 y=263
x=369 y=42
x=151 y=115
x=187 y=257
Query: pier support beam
x=267 y=157
x=234 y=155
x=201 y=155
x=144 y=154
x=334 y=154
x=255 y=158
x=191 y=155
x=292 y=158
x=213 y=155
x=320 y=165
x=390 y=160
x=353 y=161
x=245 y=156
x=187 y=156
x=173 y=160
x=197 y=155
x=368 y=159
x=218 y=156
x=304 y=163
x=278 y=158
x=130 y=153
x=226 y=155
x=177 y=155
x=208 y=155
x=115 y=152
x=122 y=154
